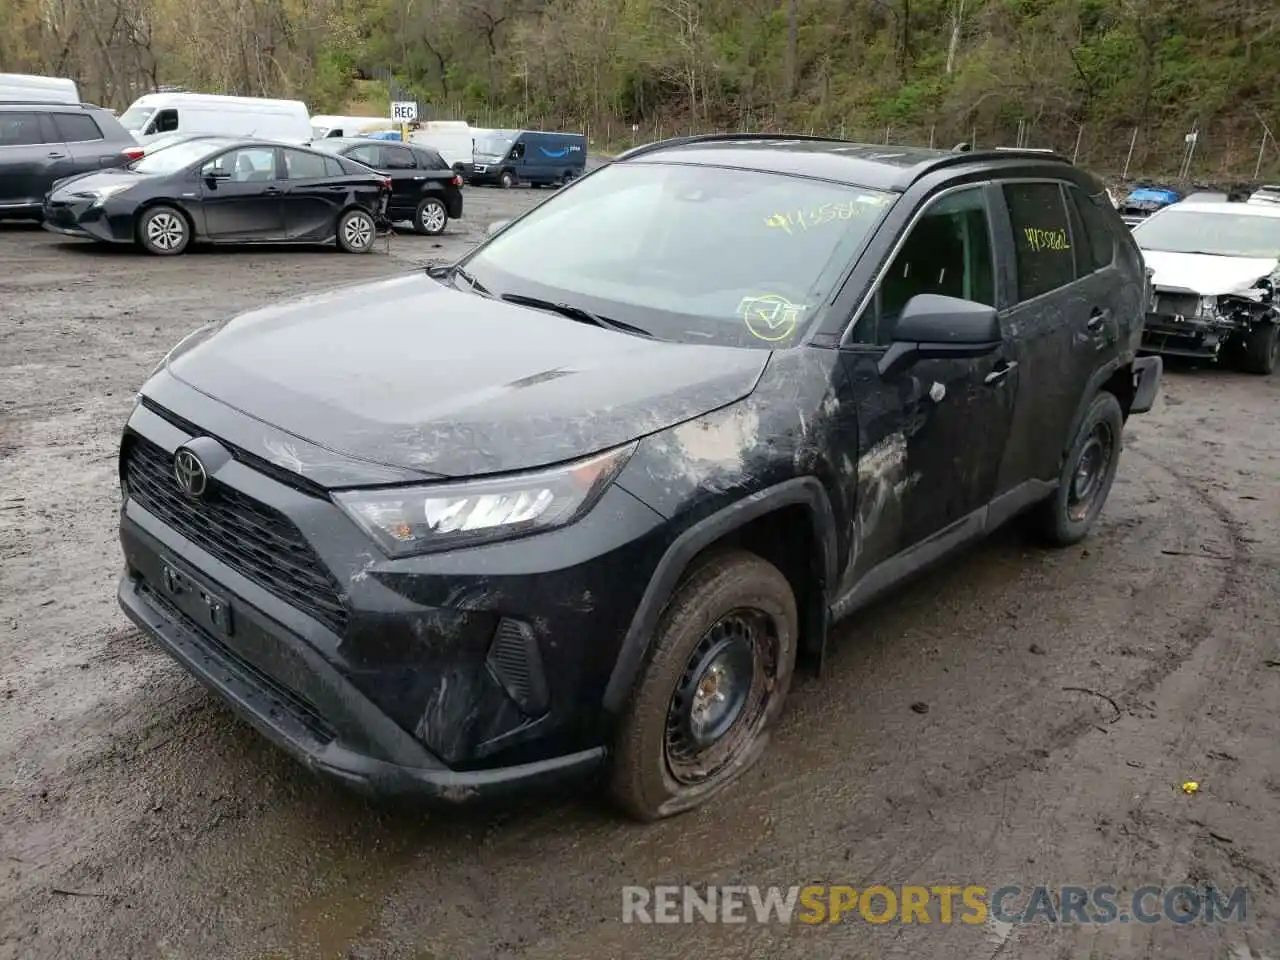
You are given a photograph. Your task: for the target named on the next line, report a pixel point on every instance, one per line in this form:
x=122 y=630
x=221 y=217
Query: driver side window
x=948 y=252
x=250 y=165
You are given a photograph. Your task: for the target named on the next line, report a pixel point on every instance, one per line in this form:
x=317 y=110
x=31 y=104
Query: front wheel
x=356 y=231
x=163 y=231
x=507 y=180
x=1087 y=474
x=431 y=217
x=1261 y=349
x=723 y=656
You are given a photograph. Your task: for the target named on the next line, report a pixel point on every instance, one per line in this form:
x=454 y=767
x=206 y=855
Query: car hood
x=408 y=373
x=1207 y=275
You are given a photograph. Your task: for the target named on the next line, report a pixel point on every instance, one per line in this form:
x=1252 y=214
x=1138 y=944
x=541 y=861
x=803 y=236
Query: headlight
x=102 y=194
x=406 y=521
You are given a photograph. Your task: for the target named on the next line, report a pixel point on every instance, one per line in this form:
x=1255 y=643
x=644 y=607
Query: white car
x=1215 y=272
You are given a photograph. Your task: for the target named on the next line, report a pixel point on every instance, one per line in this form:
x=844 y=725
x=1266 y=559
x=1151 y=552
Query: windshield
x=688 y=253
x=1225 y=234
x=135 y=118
x=492 y=146
x=179 y=155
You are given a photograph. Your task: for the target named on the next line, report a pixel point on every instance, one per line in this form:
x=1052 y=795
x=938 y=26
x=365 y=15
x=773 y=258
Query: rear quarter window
x=1099 y=247
x=76 y=127
x=334 y=167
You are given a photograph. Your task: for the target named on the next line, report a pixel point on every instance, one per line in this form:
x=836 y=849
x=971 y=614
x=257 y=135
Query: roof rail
x=954 y=158
x=719 y=138
x=41 y=102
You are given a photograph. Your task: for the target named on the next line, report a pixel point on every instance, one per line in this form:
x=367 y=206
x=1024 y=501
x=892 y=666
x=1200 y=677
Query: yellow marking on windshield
x=770 y=316
x=800 y=221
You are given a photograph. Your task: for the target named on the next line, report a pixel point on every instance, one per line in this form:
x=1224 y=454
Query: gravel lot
x=1069 y=694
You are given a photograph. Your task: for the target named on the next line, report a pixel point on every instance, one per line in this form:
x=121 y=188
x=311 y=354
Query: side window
x=1041 y=238
x=370 y=156
x=250 y=165
x=430 y=160
x=166 y=121
x=948 y=252
x=20 y=130
x=398 y=158
x=1101 y=247
x=304 y=166
x=76 y=127
x=517 y=151
x=334 y=168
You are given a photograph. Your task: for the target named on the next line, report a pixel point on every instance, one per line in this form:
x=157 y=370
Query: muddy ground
x=1069 y=694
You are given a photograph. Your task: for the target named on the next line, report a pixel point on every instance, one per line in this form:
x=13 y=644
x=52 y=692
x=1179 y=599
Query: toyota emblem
x=190 y=473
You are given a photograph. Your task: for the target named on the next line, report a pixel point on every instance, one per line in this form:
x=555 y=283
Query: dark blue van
x=535 y=157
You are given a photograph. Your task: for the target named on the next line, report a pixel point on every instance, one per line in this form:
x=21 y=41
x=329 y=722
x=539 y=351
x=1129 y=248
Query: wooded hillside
x=1099 y=74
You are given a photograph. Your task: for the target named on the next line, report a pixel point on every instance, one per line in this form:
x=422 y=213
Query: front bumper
x=405 y=677
x=293 y=723
x=81 y=217
x=1182 y=336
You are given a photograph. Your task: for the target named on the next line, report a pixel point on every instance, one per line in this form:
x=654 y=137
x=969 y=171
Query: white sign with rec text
x=405 y=111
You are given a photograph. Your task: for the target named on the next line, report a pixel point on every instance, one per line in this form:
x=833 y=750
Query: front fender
x=806 y=491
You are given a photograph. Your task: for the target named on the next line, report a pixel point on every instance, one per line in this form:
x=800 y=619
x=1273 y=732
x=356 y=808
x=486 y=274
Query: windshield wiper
x=581 y=314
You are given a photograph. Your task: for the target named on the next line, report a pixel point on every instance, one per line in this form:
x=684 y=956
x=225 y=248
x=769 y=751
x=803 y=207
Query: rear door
x=249 y=204
x=30 y=153
x=401 y=165
x=315 y=191
x=1065 y=319
x=88 y=147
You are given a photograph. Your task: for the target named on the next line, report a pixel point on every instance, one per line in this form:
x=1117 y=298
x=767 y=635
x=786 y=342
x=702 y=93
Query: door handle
x=999 y=373
x=1097 y=320
x=54 y=155
x=271 y=191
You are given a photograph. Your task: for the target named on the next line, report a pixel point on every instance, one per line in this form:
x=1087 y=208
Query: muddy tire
x=721 y=663
x=431 y=217
x=356 y=231
x=507 y=180
x=1260 y=351
x=1087 y=475
x=163 y=231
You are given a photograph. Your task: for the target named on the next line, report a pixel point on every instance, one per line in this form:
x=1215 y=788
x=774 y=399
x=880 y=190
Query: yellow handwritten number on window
x=1043 y=240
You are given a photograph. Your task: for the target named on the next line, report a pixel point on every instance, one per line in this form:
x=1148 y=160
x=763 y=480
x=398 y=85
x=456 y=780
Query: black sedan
x=224 y=190
x=424 y=190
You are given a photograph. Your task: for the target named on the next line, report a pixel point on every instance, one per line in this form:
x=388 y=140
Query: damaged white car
x=1215 y=268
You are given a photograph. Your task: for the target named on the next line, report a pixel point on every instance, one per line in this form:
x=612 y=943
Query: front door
x=249 y=203
x=931 y=435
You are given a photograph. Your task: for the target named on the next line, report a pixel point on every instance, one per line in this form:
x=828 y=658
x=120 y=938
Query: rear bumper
x=346 y=737
x=1147 y=372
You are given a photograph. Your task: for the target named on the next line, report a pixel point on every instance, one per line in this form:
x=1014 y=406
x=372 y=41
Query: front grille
x=248 y=536
x=1177 y=304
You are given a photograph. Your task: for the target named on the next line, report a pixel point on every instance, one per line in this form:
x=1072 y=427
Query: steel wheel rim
x=165 y=231
x=433 y=216
x=723 y=696
x=358 y=232
x=1091 y=470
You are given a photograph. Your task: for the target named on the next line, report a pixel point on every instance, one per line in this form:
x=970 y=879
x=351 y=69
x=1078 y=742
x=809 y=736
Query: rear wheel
x=163 y=231
x=507 y=180
x=356 y=231
x=431 y=217
x=723 y=656
x=1260 y=351
x=1087 y=474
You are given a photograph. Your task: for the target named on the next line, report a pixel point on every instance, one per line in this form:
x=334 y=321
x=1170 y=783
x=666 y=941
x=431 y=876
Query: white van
x=452 y=139
x=28 y=86
x=158 y=113
x=323 y=126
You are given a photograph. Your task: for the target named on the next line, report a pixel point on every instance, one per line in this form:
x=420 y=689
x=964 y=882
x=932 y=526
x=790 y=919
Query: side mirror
x=935 y=326
x=496 y=227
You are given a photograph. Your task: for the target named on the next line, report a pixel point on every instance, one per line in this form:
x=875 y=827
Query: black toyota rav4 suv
x=578 y=501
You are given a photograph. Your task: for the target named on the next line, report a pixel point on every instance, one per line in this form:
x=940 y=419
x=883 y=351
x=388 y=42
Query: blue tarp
x=1160 y=196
